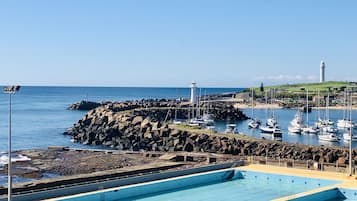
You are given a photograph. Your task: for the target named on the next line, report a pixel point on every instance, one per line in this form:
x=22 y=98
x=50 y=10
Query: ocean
x=40 y=116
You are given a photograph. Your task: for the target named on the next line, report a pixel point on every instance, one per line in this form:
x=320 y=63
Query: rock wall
x=143 y=129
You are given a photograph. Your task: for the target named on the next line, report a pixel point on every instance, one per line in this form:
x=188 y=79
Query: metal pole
x=9 y=154
x=307 y=107
x=350 y=157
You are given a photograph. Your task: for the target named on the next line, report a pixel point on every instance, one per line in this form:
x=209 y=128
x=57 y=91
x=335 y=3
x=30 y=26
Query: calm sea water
x=284 y=117
x=40 y=116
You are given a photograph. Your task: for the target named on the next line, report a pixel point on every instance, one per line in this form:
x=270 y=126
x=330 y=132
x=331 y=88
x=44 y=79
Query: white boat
x=193 y=124
x=296 y=124
x=330 y=122
x=310 y=130
x=277 y=133
x=327 y=122
x=274 y=131
x=347 y=136
x=326 y=125
x=208 y=117
x=293 y=129
x=328 y=129
x=345 y=123
x=177 y=122
x=271 y=121
x=277 y=138
x=200 y=122
x=210 y=127
x=272 y=125
x=329 y=137
x=208 y=120
x=196 y=122
x=269 y=129
x=231 y=128
x=253 y=124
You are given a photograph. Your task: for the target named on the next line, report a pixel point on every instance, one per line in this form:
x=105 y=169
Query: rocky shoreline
x=140 y=126
x=60 y=161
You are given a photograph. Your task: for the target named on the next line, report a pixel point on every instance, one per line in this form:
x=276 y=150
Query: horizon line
x=108 y=86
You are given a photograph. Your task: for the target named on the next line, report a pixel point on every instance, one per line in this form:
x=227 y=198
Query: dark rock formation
x=221 y=111
x=84 y=105
x=129 y=126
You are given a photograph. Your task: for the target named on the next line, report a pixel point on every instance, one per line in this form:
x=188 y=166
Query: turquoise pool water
x=245 y=185
x=334 y=194
x=349 y=194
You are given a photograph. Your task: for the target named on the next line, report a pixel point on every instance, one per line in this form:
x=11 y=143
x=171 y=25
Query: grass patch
x=324 y=88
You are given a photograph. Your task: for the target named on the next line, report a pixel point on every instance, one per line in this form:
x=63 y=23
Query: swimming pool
x=333 y=194
x=214 y=186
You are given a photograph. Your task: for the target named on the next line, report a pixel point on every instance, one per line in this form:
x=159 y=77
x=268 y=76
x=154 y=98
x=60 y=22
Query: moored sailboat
x=331 y=137
x=253 y=123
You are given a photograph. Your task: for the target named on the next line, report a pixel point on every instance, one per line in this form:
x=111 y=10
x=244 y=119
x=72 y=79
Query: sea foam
x=14 y=158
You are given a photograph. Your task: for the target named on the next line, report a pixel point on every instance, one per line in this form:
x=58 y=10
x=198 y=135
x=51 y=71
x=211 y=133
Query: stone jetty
x=141 y=126
x=84 y=105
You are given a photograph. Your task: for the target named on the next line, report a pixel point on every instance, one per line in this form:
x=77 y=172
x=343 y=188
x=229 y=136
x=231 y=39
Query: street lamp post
x=10 y=90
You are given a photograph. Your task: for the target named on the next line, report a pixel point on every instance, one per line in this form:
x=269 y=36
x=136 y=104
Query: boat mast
x=252 y=102
x=327 y=108
x=344 y=104
x=307 y=107
x=266 y=105
x=318 y=105
x=271 y=103
x=198 y=112
x=350 y=144
x=204 y=102
x=327 y=105
x=176 y=103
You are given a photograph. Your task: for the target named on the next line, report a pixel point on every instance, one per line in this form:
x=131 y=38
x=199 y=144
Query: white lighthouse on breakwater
x=193 y=93
x=322 y=71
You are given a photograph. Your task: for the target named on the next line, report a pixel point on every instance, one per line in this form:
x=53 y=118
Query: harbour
x=178 y=101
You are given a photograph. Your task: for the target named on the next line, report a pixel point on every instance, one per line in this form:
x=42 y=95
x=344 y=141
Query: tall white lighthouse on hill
x=322 y=71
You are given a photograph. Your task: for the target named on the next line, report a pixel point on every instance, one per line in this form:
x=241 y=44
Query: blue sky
x=218 y=43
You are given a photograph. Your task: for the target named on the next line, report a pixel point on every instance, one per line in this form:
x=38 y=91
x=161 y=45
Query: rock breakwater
x=130 y=126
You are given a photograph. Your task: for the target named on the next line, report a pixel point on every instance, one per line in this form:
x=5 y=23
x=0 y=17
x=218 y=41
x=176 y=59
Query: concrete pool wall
x=94 y=186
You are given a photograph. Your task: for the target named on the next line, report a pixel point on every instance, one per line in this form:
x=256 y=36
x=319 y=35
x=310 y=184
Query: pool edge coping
x=139 y=184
